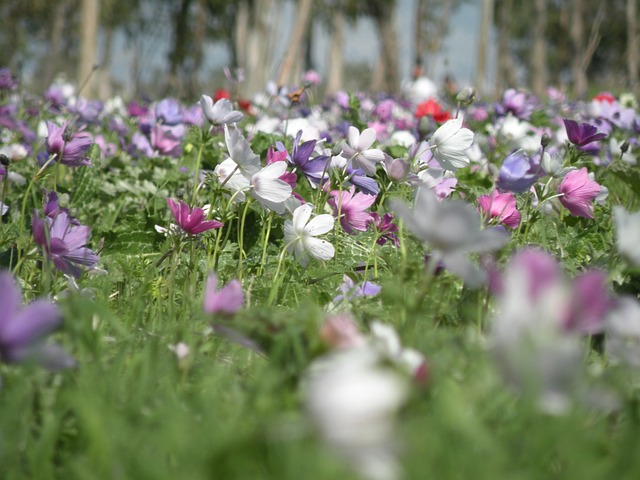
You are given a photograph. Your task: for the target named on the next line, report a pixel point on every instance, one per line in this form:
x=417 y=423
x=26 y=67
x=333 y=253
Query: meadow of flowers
x=291 y=287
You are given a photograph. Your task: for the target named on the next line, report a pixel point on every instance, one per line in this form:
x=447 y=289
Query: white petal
x=374 y=155
x=446 y=130
x=301 y=216
x=319 y=225
x=272 y=190
x=367 y=137
x=319 y=249
x=354 y=135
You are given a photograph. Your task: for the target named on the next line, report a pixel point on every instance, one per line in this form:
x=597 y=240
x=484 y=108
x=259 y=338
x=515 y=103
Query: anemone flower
x=64 y=243
x=501 y=206
x=240 y=151
x=70 y=150
x=219 y=113
x=191 y=221
x=350 y=207
x=518 y=173
x=225 y=301
x=23 y=330
x=578 y=191
x=358 y=150
x=449 y=144
x=300 y=235
x=582 y=134
x=452 y=229
x=628 y=234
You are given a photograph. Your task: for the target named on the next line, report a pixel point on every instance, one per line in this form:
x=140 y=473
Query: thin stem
x=265 y=243
x=195 y=183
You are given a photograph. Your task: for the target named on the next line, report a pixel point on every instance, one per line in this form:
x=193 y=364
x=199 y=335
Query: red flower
x=221 y=93
x=432 y=108
x=605 y=97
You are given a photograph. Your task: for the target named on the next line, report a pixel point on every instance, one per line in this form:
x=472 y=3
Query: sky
x=457 y=57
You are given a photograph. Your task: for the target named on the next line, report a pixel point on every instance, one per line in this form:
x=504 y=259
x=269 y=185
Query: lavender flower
x=225 y=301
x=69 y=151
x=169 y=112
x=349 y=290
x=518 y=173
x=22 y=330
x=516 y=103
x=64 y=243
x=220 y=113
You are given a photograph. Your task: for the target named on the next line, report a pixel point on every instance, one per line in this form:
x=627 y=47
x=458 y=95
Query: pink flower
x=341 y=332
x=501 y=206
x=578 y=190
x=350 y=208
x=226 y=301
x=191 y=221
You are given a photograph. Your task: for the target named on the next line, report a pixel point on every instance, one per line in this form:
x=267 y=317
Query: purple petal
x=34 y=322
x=9 y=299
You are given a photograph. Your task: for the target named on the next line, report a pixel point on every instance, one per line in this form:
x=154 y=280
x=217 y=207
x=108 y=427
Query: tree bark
x=505 y=76
x=104 y=88
x=301 y=24
x=385 y=22
x=419 y=39
x=336 y=64
x=258 y=51
x=55 y=41
x=483 y=45
x=576 y=32
x=539 y=53
x=179 y=49
x=633 y=50
x=90 y=14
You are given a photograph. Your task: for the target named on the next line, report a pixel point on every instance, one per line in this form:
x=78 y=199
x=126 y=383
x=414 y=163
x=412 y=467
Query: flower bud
x=4 y=160
x=545 y=140
x=466 y=96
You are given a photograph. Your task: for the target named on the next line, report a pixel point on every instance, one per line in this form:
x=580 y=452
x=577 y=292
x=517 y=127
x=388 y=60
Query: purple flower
x=313 y=168
x=590 y=304
x=169 y=112
x=88 y=110
x=350 y=290
x=22 y=330
x=578 y=191
x=359 y=179
x=226 y=301
x=166 y=141
x=350 y=208
x=516 y=103
x=518 y=173
x=191 y=221
x=582 y=134
x=386 y=228
x=7 y=81
x=69 y=151
x=64 y=243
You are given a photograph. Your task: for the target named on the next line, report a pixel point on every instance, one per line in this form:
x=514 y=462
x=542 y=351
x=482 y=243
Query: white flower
x=238 y=183
x=240 y=151
x=269 y=189
x=219 y=113
x=449 y=143
x=353 y=400
x=623 y=332
x=453 y=229
x=628 y=234
x=3 y=209
x=552 y=165
x=358 y=151
x=300 y=233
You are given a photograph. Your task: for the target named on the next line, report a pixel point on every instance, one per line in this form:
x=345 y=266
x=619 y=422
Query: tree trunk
x=104 y=89
x=539 y=53
x=505 y=75
x=90 y=14
x=483 y=45
x=419 y=39
x=53 y=60
x=301 y=24
x=336 y=64
x=179 y=49
x=633 y=52
x=258 y=51
x=385 y=21
x=199 y=33
x=576 y=33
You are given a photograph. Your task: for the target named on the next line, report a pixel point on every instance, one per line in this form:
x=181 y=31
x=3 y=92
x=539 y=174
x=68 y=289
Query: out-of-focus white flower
x=628 y=234
x=352 y=400
x=403 y=138
x=300 y=233
x=14 y=151
x=449 y=144
x=453 y=229
x=552 y=165
x=622 y=341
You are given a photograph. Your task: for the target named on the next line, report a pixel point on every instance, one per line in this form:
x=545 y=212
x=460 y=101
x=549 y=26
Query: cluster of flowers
x=347 y=170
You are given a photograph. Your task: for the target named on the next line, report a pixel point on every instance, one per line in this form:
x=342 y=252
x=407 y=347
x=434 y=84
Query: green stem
x=265 y=243
x=241 y=252
x=195 y=182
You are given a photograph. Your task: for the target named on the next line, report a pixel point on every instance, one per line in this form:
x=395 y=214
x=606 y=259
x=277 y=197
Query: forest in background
x=567 y=43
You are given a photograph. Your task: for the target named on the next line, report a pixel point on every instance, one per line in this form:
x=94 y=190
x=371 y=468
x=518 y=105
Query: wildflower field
x=295 y=287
